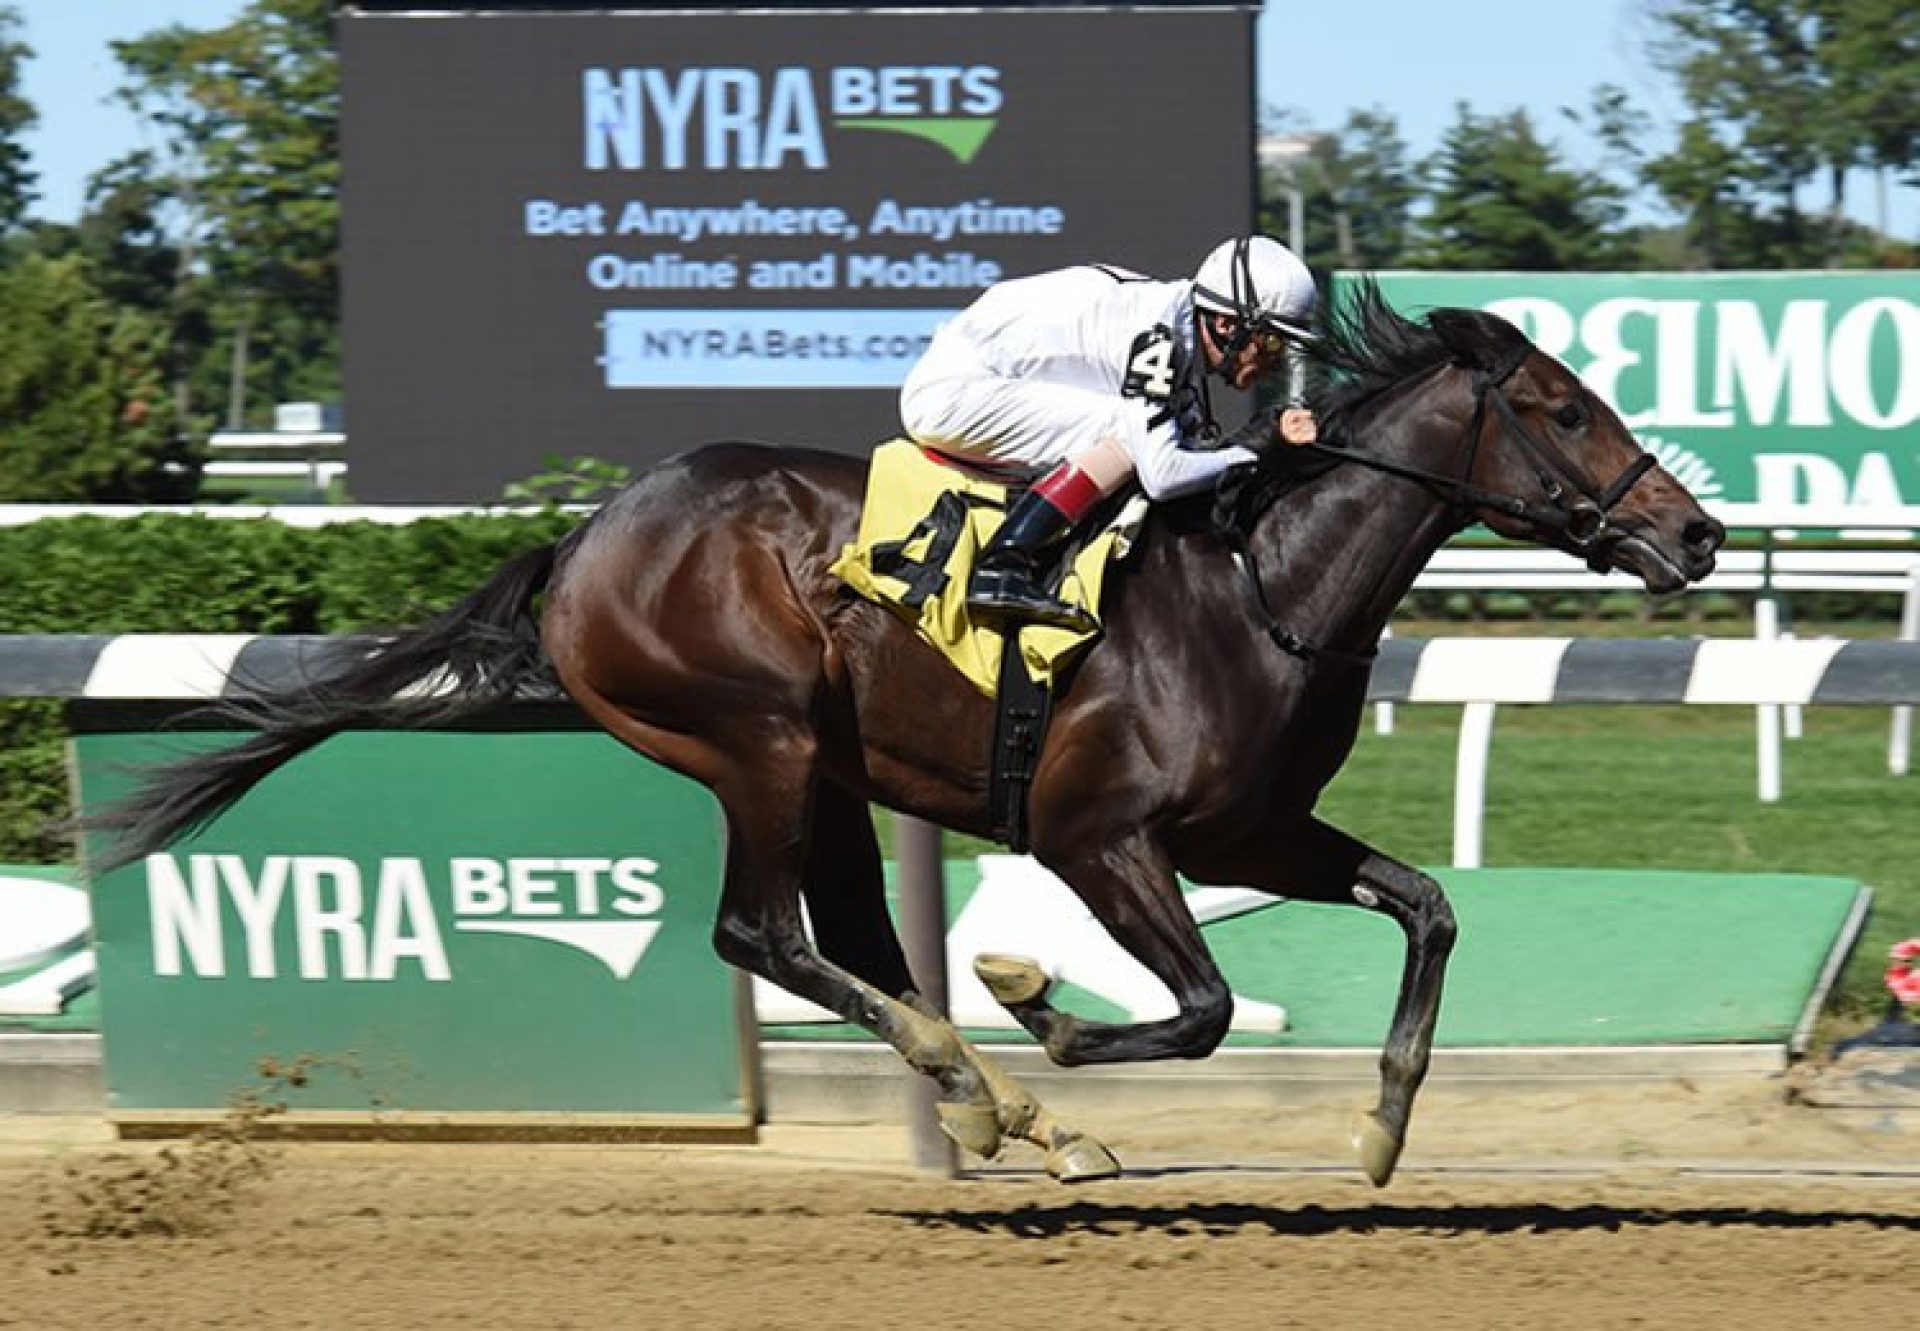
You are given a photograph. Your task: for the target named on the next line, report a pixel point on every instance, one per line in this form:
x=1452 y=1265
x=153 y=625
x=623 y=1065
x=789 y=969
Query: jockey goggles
x=1267 y=336
x=1271 y=341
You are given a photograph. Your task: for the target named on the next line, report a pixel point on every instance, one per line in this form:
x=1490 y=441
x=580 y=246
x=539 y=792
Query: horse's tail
x=482 y=652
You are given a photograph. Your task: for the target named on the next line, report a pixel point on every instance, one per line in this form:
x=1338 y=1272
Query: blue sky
x=1415 y=58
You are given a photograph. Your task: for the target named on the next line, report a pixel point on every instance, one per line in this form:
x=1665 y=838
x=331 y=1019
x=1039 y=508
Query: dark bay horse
x=694 y=618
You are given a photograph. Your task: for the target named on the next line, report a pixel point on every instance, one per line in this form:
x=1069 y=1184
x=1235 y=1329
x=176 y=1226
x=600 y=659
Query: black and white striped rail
x=1742 y=671
x=1739 y=671
x=1479 y=673
x=157 y=667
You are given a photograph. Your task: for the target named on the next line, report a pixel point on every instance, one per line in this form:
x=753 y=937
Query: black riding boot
x=1007 y=580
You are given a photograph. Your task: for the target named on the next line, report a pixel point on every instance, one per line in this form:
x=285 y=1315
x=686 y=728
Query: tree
x=1374 y=188
x=1783 y=93
x=140 y=263
x=1748 y=70
x=123 y=234
x=17 y=116
x=1701 y=180
x=249 y=187
x=83 y=406
x=1357 y=188
x=1499 y=198
x=1875 y=57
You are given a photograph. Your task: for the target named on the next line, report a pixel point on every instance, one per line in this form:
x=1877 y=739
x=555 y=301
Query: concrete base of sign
x=829 y=1082
x=319 y=1125
x=51 y=1074
x=845 y=1082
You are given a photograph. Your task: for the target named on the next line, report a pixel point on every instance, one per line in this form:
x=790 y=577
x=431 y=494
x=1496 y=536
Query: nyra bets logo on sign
x=320 y=917
x=730 y=119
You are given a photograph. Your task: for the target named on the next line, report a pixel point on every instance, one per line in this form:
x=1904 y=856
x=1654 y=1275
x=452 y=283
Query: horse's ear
x=1478 y=340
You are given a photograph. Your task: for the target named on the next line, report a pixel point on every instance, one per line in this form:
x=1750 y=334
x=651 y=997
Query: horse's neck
x=1340 y=554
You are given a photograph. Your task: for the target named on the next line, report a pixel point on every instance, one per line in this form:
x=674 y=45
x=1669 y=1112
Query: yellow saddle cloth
x=920 y=529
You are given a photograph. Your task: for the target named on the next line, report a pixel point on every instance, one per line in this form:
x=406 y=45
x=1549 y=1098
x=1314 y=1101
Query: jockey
x=1094 y=375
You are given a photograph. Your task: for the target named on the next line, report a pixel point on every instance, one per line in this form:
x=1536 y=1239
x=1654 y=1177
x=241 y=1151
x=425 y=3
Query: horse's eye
x=1571 y=416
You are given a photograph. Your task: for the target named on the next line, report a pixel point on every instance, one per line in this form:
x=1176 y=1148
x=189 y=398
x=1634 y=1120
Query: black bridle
x=1583 y=518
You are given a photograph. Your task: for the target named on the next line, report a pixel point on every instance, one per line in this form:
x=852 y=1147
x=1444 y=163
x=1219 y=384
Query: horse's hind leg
x=846 y=900
x=846 y=893
x=760 y=928
x=771 y=801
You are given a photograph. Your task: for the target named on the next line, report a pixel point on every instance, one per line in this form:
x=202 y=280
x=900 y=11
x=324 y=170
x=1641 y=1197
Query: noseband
x=1584 y=518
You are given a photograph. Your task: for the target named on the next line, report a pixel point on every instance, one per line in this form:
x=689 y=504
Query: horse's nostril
x=1703 y=535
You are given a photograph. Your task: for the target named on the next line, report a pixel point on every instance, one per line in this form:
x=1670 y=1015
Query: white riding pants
x=954 y=402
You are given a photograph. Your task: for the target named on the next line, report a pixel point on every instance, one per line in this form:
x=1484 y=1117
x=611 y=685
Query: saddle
x=922 y=526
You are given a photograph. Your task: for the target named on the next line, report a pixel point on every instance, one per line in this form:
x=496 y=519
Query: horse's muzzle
x=1665 y=561
x=1700 y=540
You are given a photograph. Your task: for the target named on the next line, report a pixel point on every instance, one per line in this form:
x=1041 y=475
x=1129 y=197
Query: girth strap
x=1022 y=708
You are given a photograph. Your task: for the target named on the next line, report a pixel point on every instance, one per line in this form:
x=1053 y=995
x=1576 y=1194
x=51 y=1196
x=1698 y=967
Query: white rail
x=1775 y=674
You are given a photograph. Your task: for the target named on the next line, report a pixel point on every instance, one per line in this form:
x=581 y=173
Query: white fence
x=302 y=463
x=1481 y=673
x=1887 y=563
x=1478 y=674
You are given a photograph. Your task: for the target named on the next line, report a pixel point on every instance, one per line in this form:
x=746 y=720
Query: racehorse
x=693 y=617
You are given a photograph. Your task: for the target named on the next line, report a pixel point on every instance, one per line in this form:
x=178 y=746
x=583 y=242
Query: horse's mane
x=1366 y=347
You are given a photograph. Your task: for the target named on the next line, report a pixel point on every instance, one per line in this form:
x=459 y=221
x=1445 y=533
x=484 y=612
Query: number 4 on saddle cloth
x=921 y=527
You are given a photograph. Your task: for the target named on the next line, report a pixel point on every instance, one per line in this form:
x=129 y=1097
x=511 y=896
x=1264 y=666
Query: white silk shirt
x=1039 y=369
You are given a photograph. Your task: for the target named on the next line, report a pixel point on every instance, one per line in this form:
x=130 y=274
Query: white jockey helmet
x=1260 y=282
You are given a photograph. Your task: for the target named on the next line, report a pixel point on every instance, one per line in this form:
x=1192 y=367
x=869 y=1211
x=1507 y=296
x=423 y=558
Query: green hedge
x=165 y=573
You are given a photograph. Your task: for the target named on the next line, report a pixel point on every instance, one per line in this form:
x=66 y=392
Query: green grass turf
x=1658 y=788
x=1631 y=787
x=1552 y=957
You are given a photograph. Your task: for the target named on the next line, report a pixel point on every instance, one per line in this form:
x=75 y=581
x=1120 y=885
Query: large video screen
x=618 y=236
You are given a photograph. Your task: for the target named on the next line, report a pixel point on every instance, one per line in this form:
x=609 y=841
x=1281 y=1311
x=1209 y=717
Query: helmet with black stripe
x=1260 y=283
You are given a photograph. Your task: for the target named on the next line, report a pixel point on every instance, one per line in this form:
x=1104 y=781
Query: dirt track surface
x=1668 y=1206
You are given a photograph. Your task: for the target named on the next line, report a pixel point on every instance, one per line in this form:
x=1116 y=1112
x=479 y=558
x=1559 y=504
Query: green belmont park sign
x=1776 y=388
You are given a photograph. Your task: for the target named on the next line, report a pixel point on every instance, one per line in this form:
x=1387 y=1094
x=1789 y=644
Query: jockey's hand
x=1297 y=426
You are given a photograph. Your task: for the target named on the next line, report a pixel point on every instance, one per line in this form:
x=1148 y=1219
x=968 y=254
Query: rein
x=1585 y=519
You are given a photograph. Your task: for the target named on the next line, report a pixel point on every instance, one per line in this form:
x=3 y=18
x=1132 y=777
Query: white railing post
x=1470 y=783
x=1791 y=725
x=1900 y=741
x=1383 y=711
x=1766 y=628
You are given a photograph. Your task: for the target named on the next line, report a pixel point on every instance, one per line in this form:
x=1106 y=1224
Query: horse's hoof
x=1379 y=1149
x=975 y=1128
x=1011 y=980
x=1081 y=1160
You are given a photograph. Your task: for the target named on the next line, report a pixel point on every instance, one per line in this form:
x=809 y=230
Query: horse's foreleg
x=1416 y=902
x=1337 y=865
x=846 y=900
x=1131 y=889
